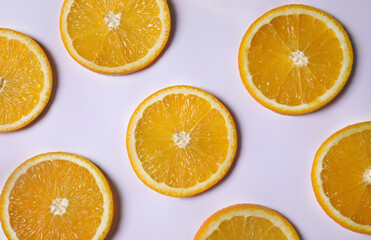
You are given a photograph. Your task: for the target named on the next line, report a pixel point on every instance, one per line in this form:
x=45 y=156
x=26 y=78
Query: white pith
x=45 y=68
x=330 y=93
x=159 y=96
x=367 y=176
x=275 y=218
x=59 y=206
x=112 y=20
x=181 y=139
x=101 y=182
x=317 y=169
x=136 y=65
x=299 y=59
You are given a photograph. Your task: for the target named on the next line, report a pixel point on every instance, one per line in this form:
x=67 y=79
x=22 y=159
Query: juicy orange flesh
x=21 y=80
x=274 y=72
x=138 y=28
x=177 y=166
x=343 y=180
x=33 y=194
x=252 y=228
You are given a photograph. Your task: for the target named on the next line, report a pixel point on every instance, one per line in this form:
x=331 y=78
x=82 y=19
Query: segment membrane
x=252 y=228
x=23 y=80
x=276 y=75
x=137 y=31
x=34 y=192
x=199 y=159
x=342 y=177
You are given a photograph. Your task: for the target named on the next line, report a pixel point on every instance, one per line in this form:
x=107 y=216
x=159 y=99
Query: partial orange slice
x=181 y=141
x=56 y=196
x=246 y=221
x=294 y=59
x=341 y=177
x=25 y=80
x=115 y=36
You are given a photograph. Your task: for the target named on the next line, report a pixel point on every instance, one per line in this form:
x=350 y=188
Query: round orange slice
x=246 y=221
x=341 y=177
x=56 y=196
x=115 y=37
x=25 y=80
x=181 y=141
x=294 y=59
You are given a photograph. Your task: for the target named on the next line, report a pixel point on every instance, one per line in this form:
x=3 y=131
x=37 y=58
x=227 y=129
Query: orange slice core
x=36 y=206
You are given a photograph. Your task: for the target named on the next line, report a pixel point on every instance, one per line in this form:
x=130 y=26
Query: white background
x=88 y=114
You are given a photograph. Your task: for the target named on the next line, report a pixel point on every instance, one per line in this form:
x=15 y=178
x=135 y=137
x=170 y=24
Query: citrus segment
x=25 y=80
x=294 y=59
x=181 y=141
x=246 y=221
x=56 y=196
x=115 y=37
x=341 y=177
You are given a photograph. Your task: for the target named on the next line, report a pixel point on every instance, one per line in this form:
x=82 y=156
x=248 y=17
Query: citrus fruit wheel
x=246 y=221
x=56 y=196
x=25 y=80
x=115 y=37
x=341 y=177
x=181 y=141
x=294 y=59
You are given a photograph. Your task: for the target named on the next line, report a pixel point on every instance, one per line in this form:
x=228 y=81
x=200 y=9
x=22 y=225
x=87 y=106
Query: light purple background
x=88 y=114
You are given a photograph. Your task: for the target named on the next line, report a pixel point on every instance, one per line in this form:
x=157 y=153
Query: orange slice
x=25 y=80
x=294 y=59
x=246 y=221
x=181 y=141
x=115 y=36
x=56 y=196
x=341 y=177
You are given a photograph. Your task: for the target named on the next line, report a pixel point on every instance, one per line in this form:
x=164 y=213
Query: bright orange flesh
x=246 y=221
x=22 y=81
x=275 y=73
x=168 y=163
x=181 y=141
x=56 y=196
x=240 y=227
x=137 y=32
x=341 y=177
x=295 y=58
x=34 y=192
x=115 y=36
